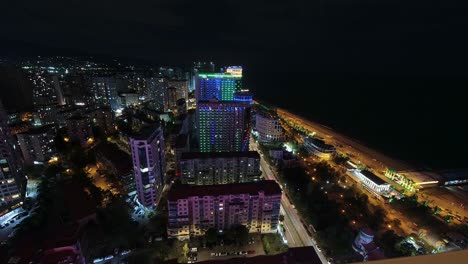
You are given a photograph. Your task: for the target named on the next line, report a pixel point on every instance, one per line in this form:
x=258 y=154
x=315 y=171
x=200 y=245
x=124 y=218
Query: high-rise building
x=234 y=70
x=223 y=126
x=208 y=168
x=46 y=96
x=9 y=191
x=79 y=129
x=77 y=89
x=149 y=164
x=216 y=85
x=245 y=97
x=37 y=144
x=195 y=209
x=170 y=98
x=268 y=127
x=104 y=118
x=11 y=174
x=106 y=91
x=156 y=87
x=181 y=88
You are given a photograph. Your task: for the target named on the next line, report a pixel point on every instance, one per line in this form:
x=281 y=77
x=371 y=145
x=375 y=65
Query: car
x=319 y=249
x=330 y=260
x=194 y=249
x=251 y=252
x=125 y=252
x=243 y=252
x=212 y=254
x=223 y=254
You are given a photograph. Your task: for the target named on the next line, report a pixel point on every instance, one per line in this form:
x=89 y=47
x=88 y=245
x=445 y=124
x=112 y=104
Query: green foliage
x=211 y=236
x=388 y=241
x=273 y=245
x=406 y=249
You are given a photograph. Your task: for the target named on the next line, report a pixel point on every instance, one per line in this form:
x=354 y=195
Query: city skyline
x=237 y=132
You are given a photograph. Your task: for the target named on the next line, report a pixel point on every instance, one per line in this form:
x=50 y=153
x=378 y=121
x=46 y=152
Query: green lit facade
x=223 y=126
x=221 y=86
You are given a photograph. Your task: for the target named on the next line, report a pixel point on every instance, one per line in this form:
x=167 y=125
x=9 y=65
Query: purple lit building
x=149 y=164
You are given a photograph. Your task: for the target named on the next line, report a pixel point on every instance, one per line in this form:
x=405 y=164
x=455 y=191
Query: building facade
x=195 y=209
x=223 y=126
x=208 y=168
x=221 y=86
x=105 y=119
x=9 y=190
x=37 y=144
x=149 y=164
x=245 y=97
x=268 y=128
x=181 y=88
x=11 y=164
x=106 y=91
x=156 y=87
x=79 y=129
x=319 y=148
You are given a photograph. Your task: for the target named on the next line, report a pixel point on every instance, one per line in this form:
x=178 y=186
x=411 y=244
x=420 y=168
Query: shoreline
x=358 y=145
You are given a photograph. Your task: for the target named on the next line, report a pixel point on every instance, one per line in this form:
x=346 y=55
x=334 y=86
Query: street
x=296 y=233
x=359 y=151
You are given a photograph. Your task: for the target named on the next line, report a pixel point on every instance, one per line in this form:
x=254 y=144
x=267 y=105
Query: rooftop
x=219 y=155
x=145 y=132
x=320 y=143
x=252 y=188
x=219 y=75
x=371 y=176
x=220 y=102
x=298 y=255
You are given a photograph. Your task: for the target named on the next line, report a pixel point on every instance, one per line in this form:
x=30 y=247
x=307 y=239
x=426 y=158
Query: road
x=359 y=151
x=296 y=233
x=378 y=162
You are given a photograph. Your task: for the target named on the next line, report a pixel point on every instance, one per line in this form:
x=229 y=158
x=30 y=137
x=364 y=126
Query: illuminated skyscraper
x=223 y=125
x=156 y=87
x=47 y=95
x=37 y=144
x=149 y=164
x=221 y=86
x=10 y=165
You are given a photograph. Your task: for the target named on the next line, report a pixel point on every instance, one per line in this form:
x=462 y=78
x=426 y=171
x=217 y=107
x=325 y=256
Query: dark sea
x=418 y=119
x=392 y=74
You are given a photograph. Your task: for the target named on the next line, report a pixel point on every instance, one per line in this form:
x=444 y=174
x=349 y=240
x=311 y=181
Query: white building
x=319 y=148
x=9 y=192
x=372 y=182
x=195 y=209
x=268 y=127
x=149 y=164
x=37 y=144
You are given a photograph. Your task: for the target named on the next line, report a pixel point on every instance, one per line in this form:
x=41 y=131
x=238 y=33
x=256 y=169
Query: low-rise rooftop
x=219 y=155
x=253 y=188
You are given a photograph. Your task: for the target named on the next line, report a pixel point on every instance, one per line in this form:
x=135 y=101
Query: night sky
x=391 y=72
